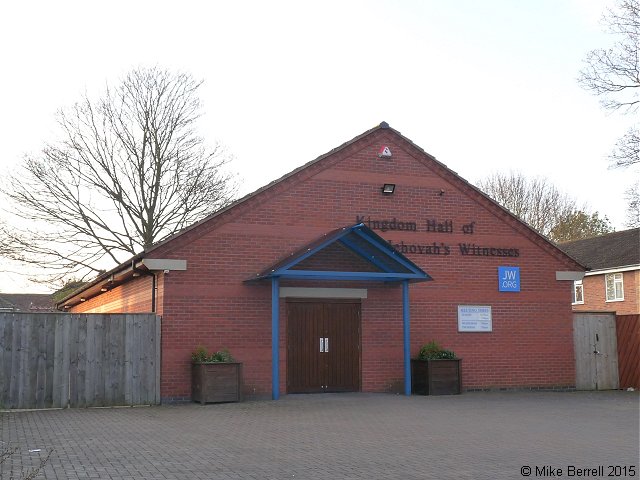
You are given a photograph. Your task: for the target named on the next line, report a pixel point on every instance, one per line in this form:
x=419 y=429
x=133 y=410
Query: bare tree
x=543 y=207
x=632 y=196
x=627 y=149
x=614 y=75
x=5 y=241
x=535 y=201
x=128 y=171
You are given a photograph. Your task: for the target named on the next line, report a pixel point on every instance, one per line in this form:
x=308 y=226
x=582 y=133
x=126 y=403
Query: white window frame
x=576 y=284
x=616 y=278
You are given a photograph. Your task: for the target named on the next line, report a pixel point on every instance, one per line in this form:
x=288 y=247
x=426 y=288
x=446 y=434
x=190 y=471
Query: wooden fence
x=79 y=360
x=628 y=332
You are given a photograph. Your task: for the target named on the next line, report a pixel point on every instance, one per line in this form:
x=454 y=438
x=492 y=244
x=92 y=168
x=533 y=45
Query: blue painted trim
x=381 y=246
x=365 y=276
x=393 y=254
x=310 y=252
x=406 y=331
x=275 y=338
x=369 y=258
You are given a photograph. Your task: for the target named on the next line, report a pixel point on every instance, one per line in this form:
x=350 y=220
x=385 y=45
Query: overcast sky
x=484 y=86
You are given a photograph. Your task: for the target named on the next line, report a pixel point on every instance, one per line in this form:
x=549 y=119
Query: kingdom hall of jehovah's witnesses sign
x=436 y=226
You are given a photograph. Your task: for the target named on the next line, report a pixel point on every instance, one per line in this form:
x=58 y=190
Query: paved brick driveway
x=334 y=436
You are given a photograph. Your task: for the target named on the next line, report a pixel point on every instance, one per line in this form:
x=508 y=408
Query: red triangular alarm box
x=385 y=152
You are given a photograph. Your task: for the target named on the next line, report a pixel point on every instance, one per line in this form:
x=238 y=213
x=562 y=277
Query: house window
x=578 y=292
x=615 y=290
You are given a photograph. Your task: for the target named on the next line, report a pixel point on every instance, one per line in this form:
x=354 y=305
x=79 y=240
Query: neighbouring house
x=330 y=278
x=26 y=302
x=612 y=282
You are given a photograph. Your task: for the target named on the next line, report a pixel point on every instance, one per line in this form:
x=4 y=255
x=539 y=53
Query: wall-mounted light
x=136 y=274
x=388 y=188
x=441 y=192
x=104 y=289
x=67 y=306
x=83 y=299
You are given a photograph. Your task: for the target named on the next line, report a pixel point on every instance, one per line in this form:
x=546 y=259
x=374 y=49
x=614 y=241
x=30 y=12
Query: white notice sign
x=474 y=318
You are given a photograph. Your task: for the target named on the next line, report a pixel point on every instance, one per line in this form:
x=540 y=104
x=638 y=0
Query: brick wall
x=131 y=297
x=208 y=304
x=531 y=343
x=595 y=295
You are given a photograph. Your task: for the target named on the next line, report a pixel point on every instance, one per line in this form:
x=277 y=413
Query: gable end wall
x=209 y=304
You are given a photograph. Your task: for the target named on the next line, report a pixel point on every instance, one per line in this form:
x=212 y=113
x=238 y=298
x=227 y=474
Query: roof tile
x=617 y=249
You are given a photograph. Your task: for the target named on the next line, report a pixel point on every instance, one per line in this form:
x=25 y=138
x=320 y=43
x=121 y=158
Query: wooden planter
x=216 y=382
x=436 y=377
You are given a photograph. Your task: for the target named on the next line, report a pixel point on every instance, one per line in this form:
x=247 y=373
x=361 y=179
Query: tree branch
x=127 y=171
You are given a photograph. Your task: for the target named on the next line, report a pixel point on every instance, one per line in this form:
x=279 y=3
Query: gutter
x=123 y=273
x=603 y=271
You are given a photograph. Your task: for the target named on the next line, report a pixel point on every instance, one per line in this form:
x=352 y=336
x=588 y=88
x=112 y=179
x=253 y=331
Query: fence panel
x=78 y=360
x=61 y=360
x=628 y=331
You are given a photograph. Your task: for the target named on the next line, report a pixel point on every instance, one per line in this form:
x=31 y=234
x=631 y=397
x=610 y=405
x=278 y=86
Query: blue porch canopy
x=370 y=258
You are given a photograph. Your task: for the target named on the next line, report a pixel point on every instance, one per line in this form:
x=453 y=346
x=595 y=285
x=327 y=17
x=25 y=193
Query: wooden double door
x=323 y=346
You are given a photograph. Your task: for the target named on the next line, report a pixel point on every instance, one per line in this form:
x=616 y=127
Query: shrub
x=433 y=351
x=200 y=355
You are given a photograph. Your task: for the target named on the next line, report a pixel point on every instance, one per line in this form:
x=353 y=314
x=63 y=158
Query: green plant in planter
x=215 y=377
x=436 y=371
x=433 y=351
x=200 y=355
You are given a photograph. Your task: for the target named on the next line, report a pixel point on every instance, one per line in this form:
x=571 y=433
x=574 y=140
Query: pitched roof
x=26 y=302
x=218 y=213
x=617 y=249
x=440 y=168
x=389 y=264
x=273 y=186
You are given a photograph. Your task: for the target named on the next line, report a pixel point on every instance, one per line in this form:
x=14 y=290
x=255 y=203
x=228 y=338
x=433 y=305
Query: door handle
x=324 y=345
x=321 y=344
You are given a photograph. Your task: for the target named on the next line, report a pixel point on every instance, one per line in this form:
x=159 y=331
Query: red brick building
x=612 y=283
x=499 y=295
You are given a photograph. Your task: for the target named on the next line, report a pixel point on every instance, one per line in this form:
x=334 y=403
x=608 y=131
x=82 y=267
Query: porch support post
x=275 y=338
x=406 y=337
